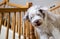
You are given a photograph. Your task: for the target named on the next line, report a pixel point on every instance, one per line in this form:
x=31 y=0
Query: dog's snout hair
x=37 y=21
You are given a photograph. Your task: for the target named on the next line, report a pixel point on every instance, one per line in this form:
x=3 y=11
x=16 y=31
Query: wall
x=36 y=2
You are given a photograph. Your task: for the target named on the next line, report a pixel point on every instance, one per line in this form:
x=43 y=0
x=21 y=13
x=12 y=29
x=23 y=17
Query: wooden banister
x=58 y=6
x=20 y=6
x=55 y=9
x=12 y=9
x=26 y=30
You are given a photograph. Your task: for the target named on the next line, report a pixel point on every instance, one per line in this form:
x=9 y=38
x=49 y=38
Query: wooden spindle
x=24 y=29
x=0 y=21
x=22 y=24
x=32 y=36
x=27 y=29
x=5 y=22
x=7 y=31
x=5 y=18
x=14 y=22
x=37 y=37
x=19 y=25
x=16 y=27
x=36 y=34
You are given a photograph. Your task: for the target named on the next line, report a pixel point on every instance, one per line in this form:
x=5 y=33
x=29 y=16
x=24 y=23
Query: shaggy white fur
x=46 y=24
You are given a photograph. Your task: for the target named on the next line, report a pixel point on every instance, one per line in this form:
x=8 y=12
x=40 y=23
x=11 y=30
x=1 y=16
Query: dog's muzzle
x=37 y=22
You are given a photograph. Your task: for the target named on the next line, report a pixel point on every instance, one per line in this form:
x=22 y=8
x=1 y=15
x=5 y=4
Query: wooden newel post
x=30 y=4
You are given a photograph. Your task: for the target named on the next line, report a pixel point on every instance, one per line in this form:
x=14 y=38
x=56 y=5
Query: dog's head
x=35 y=15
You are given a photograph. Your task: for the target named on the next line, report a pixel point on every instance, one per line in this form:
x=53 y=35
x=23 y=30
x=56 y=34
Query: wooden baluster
x=36 y=34
x=32 y=36
x=37 y=37
x=24 y=33
x=0 y=21
x=14 y=22
x=31 y=31
x=12 y=18
x=16 y=26
x=21 y=33
x=5 y=18
x=7 y=31
x=23 y=24
x=19 y=25
x=27 y=29
x=5 y=22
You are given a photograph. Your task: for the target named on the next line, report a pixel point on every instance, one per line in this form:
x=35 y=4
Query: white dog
x=46 y=24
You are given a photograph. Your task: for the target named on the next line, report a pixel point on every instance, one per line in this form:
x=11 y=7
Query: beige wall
x=36 y=2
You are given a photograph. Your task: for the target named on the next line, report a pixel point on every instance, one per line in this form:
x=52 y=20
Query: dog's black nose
x=37 y=21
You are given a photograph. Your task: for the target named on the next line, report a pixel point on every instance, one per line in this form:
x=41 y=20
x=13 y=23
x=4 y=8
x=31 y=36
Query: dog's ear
x=25 y=16
x=43 y=11
x=40 y=10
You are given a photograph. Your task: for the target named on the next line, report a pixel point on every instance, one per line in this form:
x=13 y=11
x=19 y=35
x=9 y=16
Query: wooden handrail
x=4 y=2
x=54 y=8
x=29 y=32
x=20 y=6
x=12 y=9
